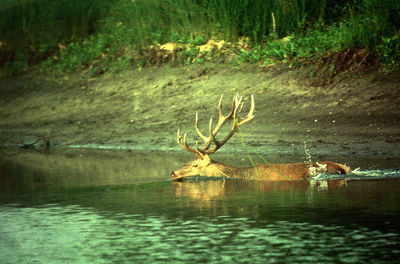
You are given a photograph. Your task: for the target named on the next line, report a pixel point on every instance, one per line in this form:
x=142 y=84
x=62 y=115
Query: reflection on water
x=29 y=171
x=123 y=208
x=211 y=189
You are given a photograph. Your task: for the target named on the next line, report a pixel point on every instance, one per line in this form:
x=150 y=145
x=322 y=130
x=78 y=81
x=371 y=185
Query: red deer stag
x=202 y=165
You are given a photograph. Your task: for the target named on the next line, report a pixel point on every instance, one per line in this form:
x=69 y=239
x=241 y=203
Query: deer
x=203 y=165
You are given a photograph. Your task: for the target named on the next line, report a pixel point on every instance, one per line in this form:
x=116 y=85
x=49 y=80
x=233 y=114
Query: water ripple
x=59 y=234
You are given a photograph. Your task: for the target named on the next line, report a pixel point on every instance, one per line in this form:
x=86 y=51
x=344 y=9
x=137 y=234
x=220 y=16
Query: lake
x=89 y=206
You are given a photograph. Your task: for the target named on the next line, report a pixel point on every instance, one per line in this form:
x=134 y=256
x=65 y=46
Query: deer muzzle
x=175 y=177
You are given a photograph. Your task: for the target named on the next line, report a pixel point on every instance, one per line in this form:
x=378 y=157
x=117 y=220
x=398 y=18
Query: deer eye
x=195 y=165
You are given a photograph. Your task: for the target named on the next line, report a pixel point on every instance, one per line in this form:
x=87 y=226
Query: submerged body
x=267 y=172
x=281 y=172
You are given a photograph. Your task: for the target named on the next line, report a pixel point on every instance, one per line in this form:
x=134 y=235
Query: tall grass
x=32 y=30
x=46 y=22
x=253 y=18
x=142 y=22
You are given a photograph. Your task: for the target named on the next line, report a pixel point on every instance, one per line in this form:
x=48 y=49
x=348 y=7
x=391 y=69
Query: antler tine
x=250 y=115
x=241 y=107
x=236 y=124
x=179 y=138
x=234 y=102
x=183 y=144
x=237 y=106
x=221 y=121
x=220 y=106
x=212 y=135
x=196 y=125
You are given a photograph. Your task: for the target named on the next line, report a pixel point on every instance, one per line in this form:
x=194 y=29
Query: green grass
x=45 y=23
x=33 y=29
x=114 y=34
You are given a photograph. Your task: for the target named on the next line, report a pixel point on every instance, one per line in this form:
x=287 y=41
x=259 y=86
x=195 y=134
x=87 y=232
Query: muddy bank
x=350 y=116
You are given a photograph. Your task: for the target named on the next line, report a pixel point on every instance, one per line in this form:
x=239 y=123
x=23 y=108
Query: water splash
x=308 y=155
x=375 y=173
x=360 y=174
x=314 y=171
x=317 y=170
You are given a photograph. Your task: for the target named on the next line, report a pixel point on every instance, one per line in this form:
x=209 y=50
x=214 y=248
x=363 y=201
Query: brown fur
x=204 y=166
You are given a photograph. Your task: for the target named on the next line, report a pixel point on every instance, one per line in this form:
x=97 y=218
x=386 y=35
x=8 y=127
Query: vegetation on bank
x=112 y=35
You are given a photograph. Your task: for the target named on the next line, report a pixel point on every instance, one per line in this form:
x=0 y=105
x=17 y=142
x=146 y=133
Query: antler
x=237 y=106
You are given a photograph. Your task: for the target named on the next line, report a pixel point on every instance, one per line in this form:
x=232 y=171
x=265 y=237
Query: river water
x=96 y=207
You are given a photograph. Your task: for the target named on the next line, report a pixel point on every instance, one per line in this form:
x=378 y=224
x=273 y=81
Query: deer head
x=202 y=165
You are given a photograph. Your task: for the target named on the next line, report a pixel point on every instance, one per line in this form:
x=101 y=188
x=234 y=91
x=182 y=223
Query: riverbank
x=297 y=110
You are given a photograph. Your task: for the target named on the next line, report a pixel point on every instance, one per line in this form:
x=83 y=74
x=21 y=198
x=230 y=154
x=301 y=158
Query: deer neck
x=222 y=170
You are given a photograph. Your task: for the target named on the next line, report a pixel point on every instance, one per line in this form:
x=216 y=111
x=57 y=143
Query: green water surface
x=96 y=208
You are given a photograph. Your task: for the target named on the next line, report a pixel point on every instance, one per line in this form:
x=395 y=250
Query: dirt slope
x=353 y=115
